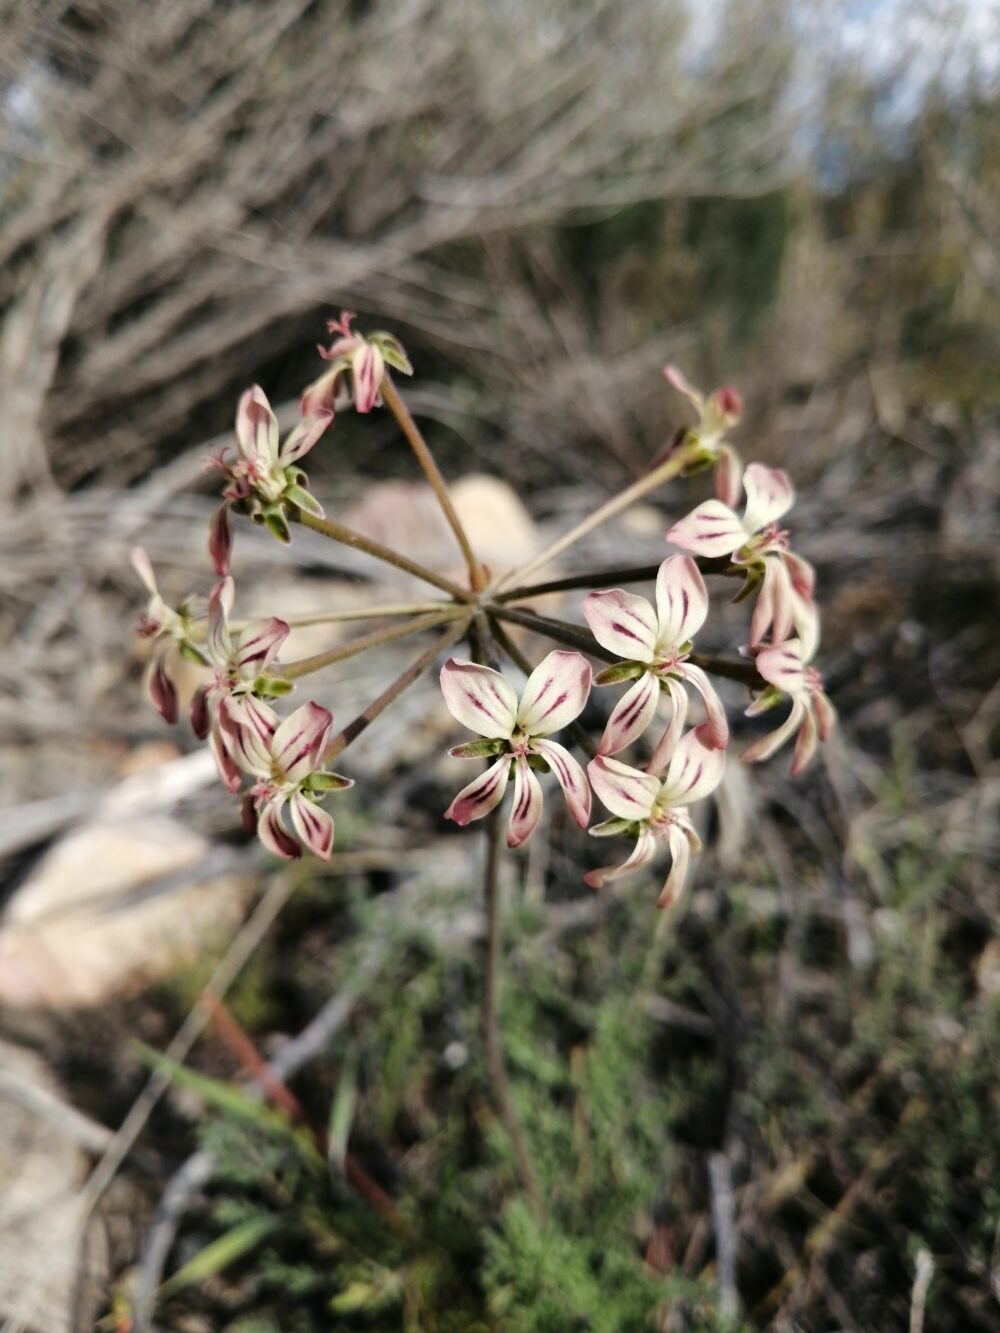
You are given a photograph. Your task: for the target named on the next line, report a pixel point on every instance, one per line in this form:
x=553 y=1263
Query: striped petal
x=228 y=769
x=681 y=601
x=570 y=777
x=482 y=795
x=527 y=808
x=556 y=692
x=805 y=743
x=160 y=690
x=220 y=605
x=641 y=855
x=774 y=740
x=774 y=607
x=826 y=714
x=625 y=791
x=715 y=732
x=249 y=726
x=694 y=770
x=680 y=857
x=769 y=493
x=712 y=530
x=623 y=623
x=298 y=744
x=258 y=644
x=313 y=825
x=480 y=698
x=220 y=539
x=631 y=715
x=782 y=666
x=273 y=833
x=305 y=435
x=367 y=367
x=256 y=426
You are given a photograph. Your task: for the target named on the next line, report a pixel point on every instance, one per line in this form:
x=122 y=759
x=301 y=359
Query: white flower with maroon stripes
x=785 y=668
x=240 y=661
x=286 y=758
x=755 y=544
x=517 y=731
x=364 y=358
x=654 y=809
x=717 y=413
x=264 y=476
x=165 y=626
x=654 y=644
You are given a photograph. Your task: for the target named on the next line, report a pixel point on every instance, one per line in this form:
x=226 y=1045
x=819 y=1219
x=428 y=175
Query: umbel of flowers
x=648 y=645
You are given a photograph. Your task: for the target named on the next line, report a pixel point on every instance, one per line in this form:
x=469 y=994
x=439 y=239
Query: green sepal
x=191 y=653
x=324 y=782
x=272 y=687
x=477 y=749
x=610 y=828
x=751 y=583
x=392 y=352
x=274 y=520
x=538 y=763
x=612 y=675
x=303 y=499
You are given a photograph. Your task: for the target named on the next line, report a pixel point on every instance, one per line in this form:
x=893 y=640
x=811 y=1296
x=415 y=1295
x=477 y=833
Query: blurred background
x=778 y=1111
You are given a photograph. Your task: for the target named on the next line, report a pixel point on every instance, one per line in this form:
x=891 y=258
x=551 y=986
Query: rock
x=113 y=906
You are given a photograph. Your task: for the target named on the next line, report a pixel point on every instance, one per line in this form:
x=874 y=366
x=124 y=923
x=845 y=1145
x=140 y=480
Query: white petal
x=715 y=733
x=298 y=744
x=774 y=740
x=256 y=426
x=480 y=698
x=556 y=692
x=694 y=771
x=781 y=666
x=482 y=795
x=623 y=623
x=677 y=379
x=631 y=715
x=313 y=825
x=570 y=777
x=625 y=791
x=641 y=855
x=667 y=743
x=680 y=854
x=711 y=530
x=681 y=601
x=527 y=808
x=769 y=496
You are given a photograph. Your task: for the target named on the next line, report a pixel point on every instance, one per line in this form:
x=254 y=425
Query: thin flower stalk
x=342 y=652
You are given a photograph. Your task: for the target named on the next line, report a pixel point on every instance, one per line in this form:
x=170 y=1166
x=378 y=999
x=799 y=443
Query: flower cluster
x=645 y=644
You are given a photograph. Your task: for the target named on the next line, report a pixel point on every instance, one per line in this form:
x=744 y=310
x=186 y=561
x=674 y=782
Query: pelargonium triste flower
x=286 y=758
x=654 y=643
x=164 y=625
x=754 y=543
x=785 y=668
x=240 y=661
x=363 y=357
x=263 y=476
x=517 y=732
x=655 y=810
x=717 y=413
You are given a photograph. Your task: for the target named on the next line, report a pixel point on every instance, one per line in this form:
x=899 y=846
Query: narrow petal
x=681 y=601
x=826 y=714
x=527 y=808
x=631 y=715
x=774 y=606
x=781 y=666
x=298 y=744
x=667 y=743
x=256 y=426
x=229 y=770
x=728 y=476
x=641 y=855
x=694 y=770
x=367 y=367
x=625 y=791
x=199 y=712
x=677 y=380
x=774 y=740
x=711 y=530
x=220 y=604
x=160 y=690
x=480 y=698
x=805 y=743
x=258 y=644
x=313 y=825
x=143 y=566
x=482 y=795
x=570 y=777
x=805 y=619
x=622 y=622
x=274 y=835
x=305 y=435
x=801 y=573
x=715 y=732
x=556 y=692
x=220 y=539
x=769 y=493
x=680 y=857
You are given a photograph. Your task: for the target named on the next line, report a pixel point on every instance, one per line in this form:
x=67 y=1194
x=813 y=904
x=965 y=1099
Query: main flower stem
x=416 y=441
x=402 y=682
x=496 y=1068
x=665 y=471
x=307 y=665
x=348 y=537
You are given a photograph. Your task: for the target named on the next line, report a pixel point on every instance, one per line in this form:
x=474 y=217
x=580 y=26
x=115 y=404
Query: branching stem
x=608 y=578
x=307 y=665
